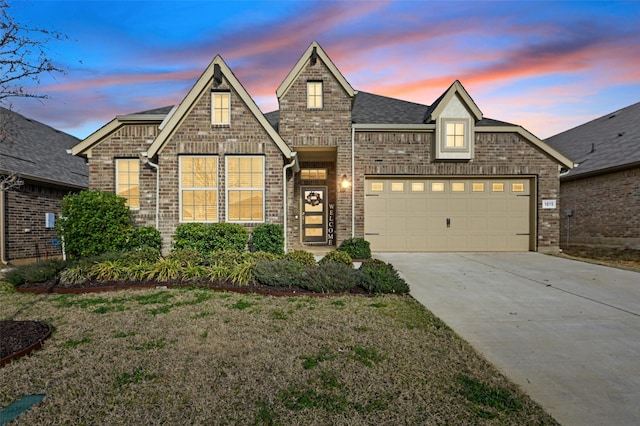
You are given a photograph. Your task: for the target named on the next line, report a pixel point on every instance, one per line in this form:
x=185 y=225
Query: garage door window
x=457 y=186
x=437 y=186
x=377 y=186
x=517 y=187
x=497 y=187
x=417 y=186
x=477 y=187
x=397 y=187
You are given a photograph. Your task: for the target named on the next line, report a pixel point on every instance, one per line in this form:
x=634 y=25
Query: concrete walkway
x=567 y=332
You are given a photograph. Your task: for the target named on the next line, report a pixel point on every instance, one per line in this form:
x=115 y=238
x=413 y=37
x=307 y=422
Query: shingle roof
x=38 y=152
x=609 y=142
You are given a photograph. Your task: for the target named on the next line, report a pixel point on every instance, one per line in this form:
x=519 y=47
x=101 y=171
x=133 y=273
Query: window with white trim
x=128 y=181
x=198 y=188
x=245 y=188
x=314 y=94
x=454 y=136
x=220 y=107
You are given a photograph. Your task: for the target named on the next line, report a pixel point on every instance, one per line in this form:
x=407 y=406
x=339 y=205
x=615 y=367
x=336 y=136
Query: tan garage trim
x=450 y=213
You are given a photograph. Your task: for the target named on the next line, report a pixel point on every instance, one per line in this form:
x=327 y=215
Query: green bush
x=165 y=270
x=383 y=278
x=74 y=275
x=35 y=272
x=145 y=254
x=301 y=256
x=109 y=270
x=329 y=278
x=357 y=248
x=187 y=256
x=339 y=257
x=269 y=238
x=92 y=221
x=280 y=273
x=227 y=258
x=206 y=238
x=135 y=238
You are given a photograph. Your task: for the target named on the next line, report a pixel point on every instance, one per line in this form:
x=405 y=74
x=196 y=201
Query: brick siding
x=605 y=209
x=26 y=234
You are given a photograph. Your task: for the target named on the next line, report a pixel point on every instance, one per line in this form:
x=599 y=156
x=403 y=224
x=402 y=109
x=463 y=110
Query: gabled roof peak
x=310 y=56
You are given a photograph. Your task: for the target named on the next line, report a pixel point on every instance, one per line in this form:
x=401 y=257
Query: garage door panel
x=484 y=214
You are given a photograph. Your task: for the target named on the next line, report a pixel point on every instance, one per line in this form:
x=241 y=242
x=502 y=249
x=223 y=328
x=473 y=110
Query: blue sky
x=545 y=65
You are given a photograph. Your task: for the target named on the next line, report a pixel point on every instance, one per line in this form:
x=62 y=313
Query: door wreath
x=313 y=198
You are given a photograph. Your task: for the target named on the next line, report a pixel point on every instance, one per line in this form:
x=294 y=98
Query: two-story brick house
x=333 y=163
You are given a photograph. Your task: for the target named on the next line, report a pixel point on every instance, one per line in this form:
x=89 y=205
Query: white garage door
x=448 y=214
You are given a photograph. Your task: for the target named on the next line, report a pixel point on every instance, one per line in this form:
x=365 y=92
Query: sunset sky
x=545 y=65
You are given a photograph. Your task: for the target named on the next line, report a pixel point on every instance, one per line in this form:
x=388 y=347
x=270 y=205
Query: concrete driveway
x=567 y=332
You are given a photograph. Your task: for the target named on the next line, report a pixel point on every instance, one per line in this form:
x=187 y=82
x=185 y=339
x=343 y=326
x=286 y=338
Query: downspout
x=294 y=156
x=2 y=223
x=146 y=160
x=353 y=183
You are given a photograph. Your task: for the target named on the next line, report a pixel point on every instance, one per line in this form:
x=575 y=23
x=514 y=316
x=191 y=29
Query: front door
x=314 y=222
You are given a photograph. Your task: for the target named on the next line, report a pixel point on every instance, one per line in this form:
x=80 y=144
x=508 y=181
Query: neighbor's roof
x=602 y=145
x=38 y=152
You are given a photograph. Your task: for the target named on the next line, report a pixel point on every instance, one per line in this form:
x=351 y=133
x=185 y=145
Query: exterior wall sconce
x=345 y=183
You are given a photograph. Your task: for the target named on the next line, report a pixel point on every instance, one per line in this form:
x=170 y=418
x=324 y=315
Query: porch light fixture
x=345 y=183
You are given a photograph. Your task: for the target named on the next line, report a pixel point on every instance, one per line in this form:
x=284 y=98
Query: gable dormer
x=455 y=115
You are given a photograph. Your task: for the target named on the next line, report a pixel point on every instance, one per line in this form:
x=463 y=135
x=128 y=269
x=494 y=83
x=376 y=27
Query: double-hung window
x=127 y=181
x=198 y=188
x=454 y=136
x=220 y=108
x=314 y=94
x=245 y=188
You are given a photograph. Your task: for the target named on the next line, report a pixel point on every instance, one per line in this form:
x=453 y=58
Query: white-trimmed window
x=314 y=94
x=198 y=188
x=128 y=181
x=245 y=188
x=220 y=107
x=454 y=136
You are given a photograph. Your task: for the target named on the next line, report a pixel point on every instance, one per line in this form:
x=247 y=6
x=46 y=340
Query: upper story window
x=221 y=107
x=127 y=181
x=245 y=188
x=455 y=135
x=198 y=188
x=314 y=94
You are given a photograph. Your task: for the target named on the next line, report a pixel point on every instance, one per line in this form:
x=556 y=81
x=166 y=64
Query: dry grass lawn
x=194 y=356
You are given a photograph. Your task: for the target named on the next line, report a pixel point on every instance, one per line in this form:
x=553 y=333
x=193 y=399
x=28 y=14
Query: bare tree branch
x=23 y=56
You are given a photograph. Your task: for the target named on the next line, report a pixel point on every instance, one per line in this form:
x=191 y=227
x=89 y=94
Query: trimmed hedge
x=357 y=248
x=269 y=238
x=207 y=238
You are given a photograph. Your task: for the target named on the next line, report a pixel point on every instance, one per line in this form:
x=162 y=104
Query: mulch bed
x=19 y=338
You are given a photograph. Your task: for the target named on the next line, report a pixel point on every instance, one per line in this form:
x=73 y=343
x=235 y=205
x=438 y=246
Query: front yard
x=196 y=356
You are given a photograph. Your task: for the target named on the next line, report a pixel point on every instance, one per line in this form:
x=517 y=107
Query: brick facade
x=25 y=209
x=605 y=209
x=322 y=138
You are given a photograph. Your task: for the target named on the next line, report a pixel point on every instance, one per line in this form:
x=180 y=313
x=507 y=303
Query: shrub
x=227 y=258
x=92 y=221
x=242 y=274
x=109 y=270
x=207 y=238
x=145 y=254
x=357 y=248
x=135 y=238
x=301 y=256
x=187 y=256
x=165 y=270
x=280 y=273
x=35 y=272
x=329 y=278
x=269 y=238
x=383 y=278
x=337 y=257
x=74 y=275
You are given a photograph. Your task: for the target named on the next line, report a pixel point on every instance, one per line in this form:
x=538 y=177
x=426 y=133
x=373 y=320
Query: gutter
x=3 y=258
x=353 y=182
x=145 y=160
x=294 y=158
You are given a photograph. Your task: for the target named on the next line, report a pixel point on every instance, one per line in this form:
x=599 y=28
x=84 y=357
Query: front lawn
x=195 y=356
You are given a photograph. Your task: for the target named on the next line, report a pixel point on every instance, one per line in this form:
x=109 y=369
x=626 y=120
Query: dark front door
x=314 y=217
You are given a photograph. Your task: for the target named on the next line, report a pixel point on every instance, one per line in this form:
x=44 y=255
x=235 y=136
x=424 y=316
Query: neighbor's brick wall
x=196 y=135
x=500 y=154
x=25 y=208
x=606 y=209
x=328 y=127
x=128 y=141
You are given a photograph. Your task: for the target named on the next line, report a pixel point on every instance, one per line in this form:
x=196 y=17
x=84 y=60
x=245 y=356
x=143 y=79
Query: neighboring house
x=37 y=173
x=333 y=163
x=600 y=199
